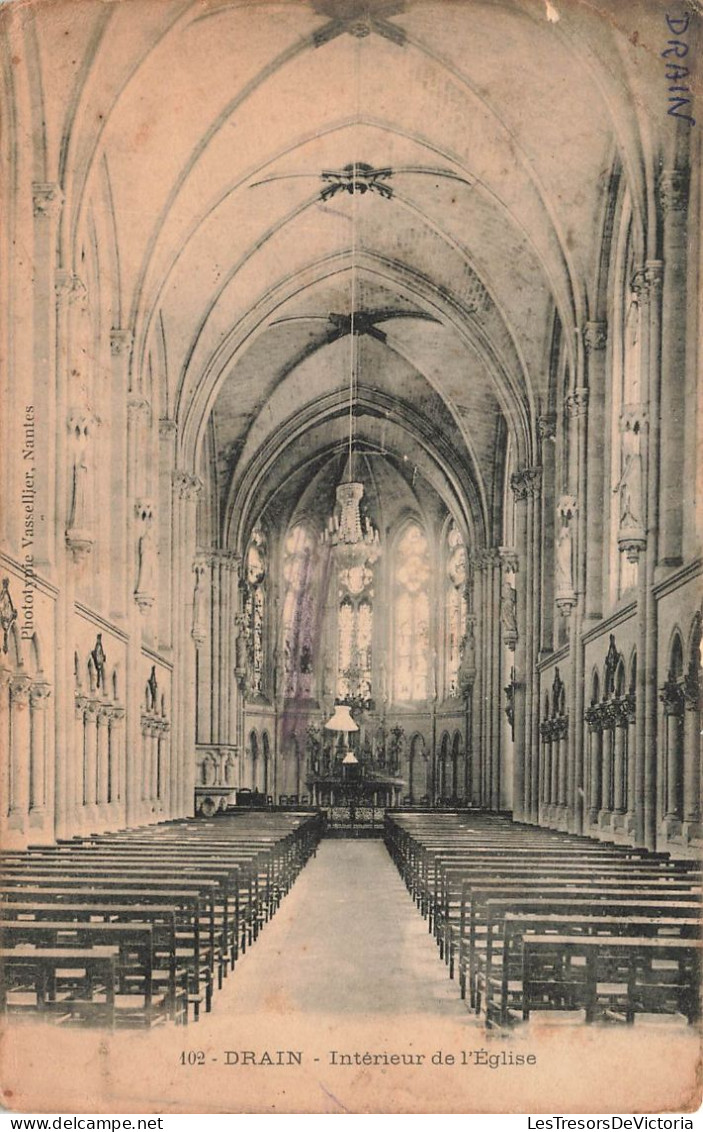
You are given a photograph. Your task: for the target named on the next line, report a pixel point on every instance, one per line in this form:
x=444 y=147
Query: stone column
x=6 y=762
x=672 y=697
x=78 y=781
x=595 y=337
x=67 y=814
x=562 y=731
x=619 y=757
x=546 y=428
x=19 y=751
x=577 y=404
x=168 y=433
x=545 y=731
x=91 y=740
x=182 y=779
x=691 y=748
x=593 y=720
x=138 y=612
x=118 y=763
x=652 y=352
x=480 y=723
x=39 y=697
x=524 y=485
x=631 y=711
x=103 y=724
x=673 y=196
x=47 y=201
x=607 y=766
x=153 y=760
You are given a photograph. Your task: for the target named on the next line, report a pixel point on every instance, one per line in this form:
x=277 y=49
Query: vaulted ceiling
x=485 y=134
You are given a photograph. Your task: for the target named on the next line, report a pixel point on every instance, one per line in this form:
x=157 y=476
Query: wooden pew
x=614 y=978
x=135 y=999
x=503 y=965
x=74 y=984
x=166 y=974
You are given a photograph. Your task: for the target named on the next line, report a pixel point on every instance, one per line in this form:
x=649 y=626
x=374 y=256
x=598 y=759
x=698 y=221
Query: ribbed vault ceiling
x=205 y=128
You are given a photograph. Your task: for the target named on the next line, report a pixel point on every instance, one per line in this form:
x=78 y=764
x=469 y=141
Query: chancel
x=351 y=390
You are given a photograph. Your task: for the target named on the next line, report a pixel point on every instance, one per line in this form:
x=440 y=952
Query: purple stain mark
x=333 y=1098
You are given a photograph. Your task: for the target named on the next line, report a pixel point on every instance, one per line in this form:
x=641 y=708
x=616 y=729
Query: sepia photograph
x=351 y=582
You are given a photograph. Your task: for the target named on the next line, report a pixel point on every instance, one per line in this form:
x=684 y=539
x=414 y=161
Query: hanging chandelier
x=355 y=542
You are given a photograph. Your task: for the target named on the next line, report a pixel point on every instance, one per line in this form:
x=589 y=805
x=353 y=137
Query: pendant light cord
x=353 y=351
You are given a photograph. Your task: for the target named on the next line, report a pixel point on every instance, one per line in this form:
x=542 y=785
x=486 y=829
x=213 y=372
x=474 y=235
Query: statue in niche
x=99 y=661
x=564 y=576
x=611 y=663
x=198 y=630
x=467 y=666
x=79 y=426
x=630 y=486
x=147 y=573
x=305 y=663
x=508 y=615
x=240 y=644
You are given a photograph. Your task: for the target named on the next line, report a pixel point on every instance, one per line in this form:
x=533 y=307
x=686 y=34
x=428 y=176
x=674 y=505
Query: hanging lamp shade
x=341 y=720
x=350 y=759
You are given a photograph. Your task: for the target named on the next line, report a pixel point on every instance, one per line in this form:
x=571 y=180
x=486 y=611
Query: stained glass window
x=299 y=565
x=411 y=625
x=455 y=608
x=256 y=611
x=355 y=633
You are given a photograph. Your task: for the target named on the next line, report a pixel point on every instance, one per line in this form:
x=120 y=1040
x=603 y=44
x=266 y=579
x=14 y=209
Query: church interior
x=351 y=391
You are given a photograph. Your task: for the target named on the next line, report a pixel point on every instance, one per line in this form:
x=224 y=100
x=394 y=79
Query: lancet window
x=411 y=623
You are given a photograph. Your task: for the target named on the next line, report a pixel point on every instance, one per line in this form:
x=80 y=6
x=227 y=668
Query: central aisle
x=347 y=939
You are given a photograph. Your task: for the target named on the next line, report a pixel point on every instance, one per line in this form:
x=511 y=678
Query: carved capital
x=594 y=718
x=577 y=402
x=167 y=428
x=120 y=342
x=486 y=557
x=186 y=486
x=80 y=543
x=565 y=603
x=39 y=694
x=19 y=689
x=595 y=336
x=526 y=483
x=47 y=199
x=632 y=544
x=673 y=190
x=546 y=730
x=672 y=696
x=547 y=426
x=509 y=558
x=621 y=711
x=144 y=601
x=560 y=727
